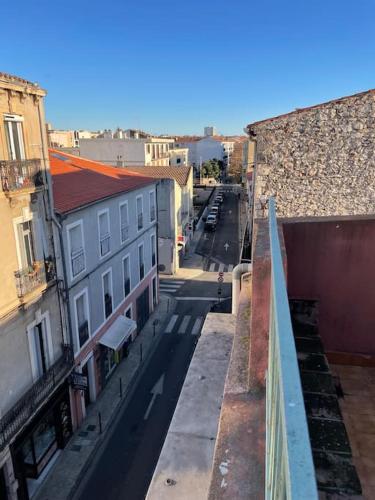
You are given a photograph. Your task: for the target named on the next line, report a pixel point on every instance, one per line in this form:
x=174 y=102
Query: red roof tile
x=179 y=174
x=78 y=182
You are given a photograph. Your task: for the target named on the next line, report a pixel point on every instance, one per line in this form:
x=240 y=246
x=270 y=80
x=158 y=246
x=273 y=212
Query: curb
x=121 y=405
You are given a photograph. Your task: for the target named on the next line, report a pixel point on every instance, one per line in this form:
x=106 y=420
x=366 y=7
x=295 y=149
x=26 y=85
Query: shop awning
x=118 y=333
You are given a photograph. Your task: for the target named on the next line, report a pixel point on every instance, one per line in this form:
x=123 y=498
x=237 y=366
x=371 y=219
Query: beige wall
x=61 y=138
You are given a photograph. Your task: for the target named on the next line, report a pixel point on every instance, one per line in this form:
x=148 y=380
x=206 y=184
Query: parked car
x=211 y=223
x=220 y=199
x=215 y=211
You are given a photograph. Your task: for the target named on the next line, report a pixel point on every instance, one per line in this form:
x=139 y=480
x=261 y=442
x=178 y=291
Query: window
x=141 y=263
x=40 y=345
x=140 y=212
x=128 y=312
x=178 y=160
x=82 y=318
x=76 y=249
x=26 y=244
x=124 y=221
x=152 y=206
x=107 y=293
x=104 y=233
x=14 y=134
x=126 y=275
x=153 y=250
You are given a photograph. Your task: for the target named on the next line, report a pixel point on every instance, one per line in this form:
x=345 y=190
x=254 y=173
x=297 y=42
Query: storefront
x=34 y=449
x=114 y=344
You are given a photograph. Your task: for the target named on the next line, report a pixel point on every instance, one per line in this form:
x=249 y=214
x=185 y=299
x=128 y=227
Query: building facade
x=123 y=152
x=179 y=157
x=108 y=231
x=35 y=355
x=175 y=213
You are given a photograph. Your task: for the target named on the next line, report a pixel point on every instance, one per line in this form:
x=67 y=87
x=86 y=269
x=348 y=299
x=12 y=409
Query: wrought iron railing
x=20 y=174
x=78 y=261
x=290 y=470
x=124 y=233
x=30 y=278
x=105 y=244
x=13 y=421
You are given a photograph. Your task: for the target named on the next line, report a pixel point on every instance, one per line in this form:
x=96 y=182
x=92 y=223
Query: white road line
x=212 y=267
x=184 y=324
x=211 y=299
x=230 y=268
x=167 y=290
x=171 y=323
x=197 y=326
x=221 y=268
x=172 y=282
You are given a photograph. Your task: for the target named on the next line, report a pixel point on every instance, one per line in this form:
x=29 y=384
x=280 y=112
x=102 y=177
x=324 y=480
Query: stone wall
x=318 y=161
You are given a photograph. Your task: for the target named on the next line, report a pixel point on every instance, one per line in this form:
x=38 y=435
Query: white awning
x=118 y=333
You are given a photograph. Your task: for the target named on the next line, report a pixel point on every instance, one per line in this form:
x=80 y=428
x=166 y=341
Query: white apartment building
x=108 y=229
x=123 y=152
x=207 y=148
x=179 y=157
x=210 y=131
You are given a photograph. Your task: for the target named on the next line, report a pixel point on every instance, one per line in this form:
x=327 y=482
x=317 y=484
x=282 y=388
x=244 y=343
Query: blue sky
x=174 y=66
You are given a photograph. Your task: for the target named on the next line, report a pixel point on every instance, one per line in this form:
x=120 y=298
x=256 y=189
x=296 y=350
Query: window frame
x=153 y=195
x=83 y=291
x=99 y=214
x=69 y=227
x=8 y=119
x=106 y=272
x=127 y=256
x=139 y=197
x=122 y=204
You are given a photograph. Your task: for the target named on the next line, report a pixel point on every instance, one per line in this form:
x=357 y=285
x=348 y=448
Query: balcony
x=290 y=472
x=29 y=403
x=20 y=174
x=30 y=278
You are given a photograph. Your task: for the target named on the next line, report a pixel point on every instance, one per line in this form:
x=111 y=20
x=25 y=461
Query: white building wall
x=120 y=152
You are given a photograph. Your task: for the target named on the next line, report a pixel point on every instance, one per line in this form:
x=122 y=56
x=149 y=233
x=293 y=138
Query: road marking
x=173 y=287
x=184 y=324
x=212 y=267
x=226 y=246
x=157 y=389
x=201 y=298
x=172 y=282
x=221 y=268
x=171 y=323
x=230 y=268
x=197 y=326
x=167 y=290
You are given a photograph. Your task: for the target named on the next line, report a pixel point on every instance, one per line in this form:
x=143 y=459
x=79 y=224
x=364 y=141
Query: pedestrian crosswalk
x=170 y=285
x=220 y=268
x=181 y=324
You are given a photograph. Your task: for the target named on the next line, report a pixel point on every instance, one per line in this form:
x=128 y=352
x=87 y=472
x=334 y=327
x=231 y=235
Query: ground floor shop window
x=109 y=361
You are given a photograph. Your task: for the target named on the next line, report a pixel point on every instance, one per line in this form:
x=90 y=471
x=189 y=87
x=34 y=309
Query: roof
x=301 y=110
x=179 y=174
x=13 y=80
x=78 y=182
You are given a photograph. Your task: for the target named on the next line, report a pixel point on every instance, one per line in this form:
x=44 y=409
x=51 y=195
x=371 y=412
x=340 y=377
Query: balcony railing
x=78 y=261
x=124 y=233
x=105 y=244
x=28 y=404
x=30 y=278
x=20 y=174
x=290 y=471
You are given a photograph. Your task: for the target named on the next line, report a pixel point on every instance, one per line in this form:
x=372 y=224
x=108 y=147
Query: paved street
x=125 y=463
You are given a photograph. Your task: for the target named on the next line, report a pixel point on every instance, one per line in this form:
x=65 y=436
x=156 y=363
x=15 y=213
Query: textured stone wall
x=319 y=161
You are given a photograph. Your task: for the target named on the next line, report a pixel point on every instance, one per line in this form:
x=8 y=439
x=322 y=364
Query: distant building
x=210 y=131
x=123 y=152
x=108 y=228
x=175 y=213
x=179 y=157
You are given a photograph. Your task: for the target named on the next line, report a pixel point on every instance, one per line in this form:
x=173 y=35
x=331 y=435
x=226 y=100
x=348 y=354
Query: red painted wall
x=334 y=262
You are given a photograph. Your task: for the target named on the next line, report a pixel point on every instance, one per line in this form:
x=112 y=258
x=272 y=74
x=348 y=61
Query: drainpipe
x=237 y=274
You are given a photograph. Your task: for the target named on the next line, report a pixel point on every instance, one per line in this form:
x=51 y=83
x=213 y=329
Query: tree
x=212 y=168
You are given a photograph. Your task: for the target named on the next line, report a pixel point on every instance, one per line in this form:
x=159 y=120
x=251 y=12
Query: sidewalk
x=75 y=459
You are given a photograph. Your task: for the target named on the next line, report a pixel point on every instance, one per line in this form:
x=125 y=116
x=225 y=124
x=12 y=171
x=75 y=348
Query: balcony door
x=25 y=238
x=40 y=347
x=14 y=134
